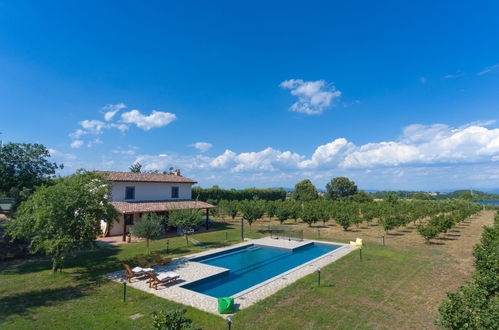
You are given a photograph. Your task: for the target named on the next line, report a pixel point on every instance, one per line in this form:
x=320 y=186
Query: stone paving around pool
x=191 y=271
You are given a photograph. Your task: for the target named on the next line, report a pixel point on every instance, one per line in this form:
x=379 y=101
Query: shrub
x=172 y=320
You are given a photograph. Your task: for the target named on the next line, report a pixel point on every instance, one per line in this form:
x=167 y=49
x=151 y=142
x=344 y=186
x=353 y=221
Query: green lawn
x=391 y=287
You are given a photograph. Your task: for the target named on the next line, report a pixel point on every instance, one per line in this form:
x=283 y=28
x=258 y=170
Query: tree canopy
x=186 y=219
x=305 y=191
x=135 y=167
x=24 y=166
x=150 y=226
x=475 y=305
x=340 y=187
x=66 y=216
x=251 y=210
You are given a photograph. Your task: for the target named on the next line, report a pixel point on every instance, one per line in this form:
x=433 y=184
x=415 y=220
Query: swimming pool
x=252 y=264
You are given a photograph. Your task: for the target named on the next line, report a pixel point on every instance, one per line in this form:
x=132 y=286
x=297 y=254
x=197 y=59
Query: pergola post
x=207 y=218
x=124 y=228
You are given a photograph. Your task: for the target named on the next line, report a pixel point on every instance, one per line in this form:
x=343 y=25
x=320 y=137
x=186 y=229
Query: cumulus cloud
x=201 y=146
x=97 y=127
x=313 y=96
x=93 y=126
x=111 y=109
x=329 y=154
x=124 y=152
x=155 y=119
x=76 y=144
x=224 y=160
x=488 y=69
x=435 y=153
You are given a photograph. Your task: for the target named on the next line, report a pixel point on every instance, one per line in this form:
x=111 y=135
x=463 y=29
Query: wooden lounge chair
x=161 y=279
x=131 y=273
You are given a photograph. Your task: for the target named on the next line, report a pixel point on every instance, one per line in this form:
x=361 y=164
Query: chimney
x=176 y=172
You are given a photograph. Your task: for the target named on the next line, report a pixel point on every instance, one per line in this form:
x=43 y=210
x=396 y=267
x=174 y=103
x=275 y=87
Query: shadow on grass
x=453 y=235
x=437 y=243
x=99 y=261
x=395 y=234
x=21 y=303
x=446 y=238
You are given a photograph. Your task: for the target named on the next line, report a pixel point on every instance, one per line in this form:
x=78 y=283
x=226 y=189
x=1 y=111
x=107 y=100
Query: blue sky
x=264 y=93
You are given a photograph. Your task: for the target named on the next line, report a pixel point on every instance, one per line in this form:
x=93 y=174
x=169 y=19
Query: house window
x=129 y=219
x=130 y=193
x=174 y=192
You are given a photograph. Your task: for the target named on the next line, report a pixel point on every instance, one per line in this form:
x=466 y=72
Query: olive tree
x=64 y=217
x=187 y=219
x=150 y=226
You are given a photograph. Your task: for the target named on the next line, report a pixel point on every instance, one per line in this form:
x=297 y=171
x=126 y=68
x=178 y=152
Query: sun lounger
x=163 y=278
x=135 y=272
x=358 y=242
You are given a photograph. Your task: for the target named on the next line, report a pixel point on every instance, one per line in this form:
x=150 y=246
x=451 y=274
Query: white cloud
x=124 y=152
x=155 y=119
x=77 y=134
x=488 y=69
x=458 y=73
x=61 y=155
x=111 y=109
x=418 y=145
x=313 y=96
x=329 y=154
x=224 y=160
x=76 y=144
x=93 y=126
x=202 y=146
x=120 y=127
x=90 y=144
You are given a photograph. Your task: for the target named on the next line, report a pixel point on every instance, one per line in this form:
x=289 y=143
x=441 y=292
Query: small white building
x=134 y=194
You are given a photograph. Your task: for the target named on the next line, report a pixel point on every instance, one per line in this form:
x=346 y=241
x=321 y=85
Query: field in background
x=397 y=285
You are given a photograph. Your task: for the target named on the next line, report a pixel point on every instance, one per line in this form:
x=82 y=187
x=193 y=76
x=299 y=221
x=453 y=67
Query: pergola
x=132 y=207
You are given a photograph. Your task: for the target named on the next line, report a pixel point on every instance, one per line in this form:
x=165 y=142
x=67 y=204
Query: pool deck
x=191 y=271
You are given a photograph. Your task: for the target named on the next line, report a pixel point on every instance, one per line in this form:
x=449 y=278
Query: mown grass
x=392 y=287
x=79 y=298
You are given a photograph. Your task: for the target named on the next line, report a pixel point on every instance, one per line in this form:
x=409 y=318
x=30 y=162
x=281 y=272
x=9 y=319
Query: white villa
x=136 y=193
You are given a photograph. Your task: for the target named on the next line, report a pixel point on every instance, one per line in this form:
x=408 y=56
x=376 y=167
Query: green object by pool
x=226 y=305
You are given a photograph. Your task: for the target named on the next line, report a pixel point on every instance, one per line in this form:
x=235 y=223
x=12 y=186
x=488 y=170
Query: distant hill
x=477 y=195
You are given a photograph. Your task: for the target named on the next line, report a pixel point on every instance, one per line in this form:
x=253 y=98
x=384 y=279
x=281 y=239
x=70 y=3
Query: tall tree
x=135 y=168
x=23 y=166
x=305 y=191
x=150 y=226
x=186 y=219
x=340 y=187
x=64 y=217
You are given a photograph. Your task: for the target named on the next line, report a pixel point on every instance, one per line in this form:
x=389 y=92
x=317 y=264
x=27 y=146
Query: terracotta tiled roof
x=159 y=206
x=145 y=177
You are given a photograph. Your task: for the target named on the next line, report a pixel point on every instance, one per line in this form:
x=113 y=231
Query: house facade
x=134 y=194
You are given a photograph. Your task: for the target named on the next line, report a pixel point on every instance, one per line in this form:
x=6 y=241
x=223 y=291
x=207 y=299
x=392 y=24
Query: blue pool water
x=251 y=265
